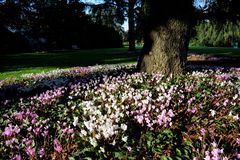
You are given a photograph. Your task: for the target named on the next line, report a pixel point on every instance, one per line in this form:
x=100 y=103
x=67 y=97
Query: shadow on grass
x=215 y=56
x=219 y=51
x=65 y=59
x=223 y=63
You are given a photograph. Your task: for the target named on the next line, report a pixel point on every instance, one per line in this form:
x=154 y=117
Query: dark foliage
x=51 y=25
x=13 y=42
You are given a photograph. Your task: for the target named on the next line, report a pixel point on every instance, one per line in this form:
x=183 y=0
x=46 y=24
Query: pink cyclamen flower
x=238 y=141
x=238 y=156
x=207 y=158
x=192 y=110
x=10 y=141
x=140 y=119
x=203 y=131
x=17 y=157
x=18 y=115
x=170 y=113
x=216 y=154
x=70 y=131
x=57 y=146
x=17 y=129
x=41 y=152
x=30 y=151
x=8 y=131
x=28 y=142
x=129 y=149
x=45 y=133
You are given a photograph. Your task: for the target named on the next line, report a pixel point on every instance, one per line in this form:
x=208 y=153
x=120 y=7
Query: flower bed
x=106 y=112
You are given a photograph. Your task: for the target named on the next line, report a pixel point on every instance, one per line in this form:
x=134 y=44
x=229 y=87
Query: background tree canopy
x=212 y=35
x=47 y=25
x=217 y=23
x=65 y=24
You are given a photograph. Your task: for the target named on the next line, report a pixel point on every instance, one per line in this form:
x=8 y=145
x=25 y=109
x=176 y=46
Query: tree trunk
x=166 y=37
x=131 y=26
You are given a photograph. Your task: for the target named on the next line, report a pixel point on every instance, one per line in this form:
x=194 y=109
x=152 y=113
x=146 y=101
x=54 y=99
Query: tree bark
x=131 y=26
x=166 y=37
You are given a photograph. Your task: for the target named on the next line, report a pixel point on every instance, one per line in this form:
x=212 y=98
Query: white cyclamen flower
x=93 y=142
x=124 y=127
x=89 y=125
x=83 y=132
x=114 y=142
x=97 y=136
x=124 y=139
x=236 y=117
x=214 y=144
x=235 y=97
x=102 y=149
x=213 y=112
x=75 y=121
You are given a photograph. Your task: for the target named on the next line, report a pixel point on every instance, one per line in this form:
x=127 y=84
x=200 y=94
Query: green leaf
x=149 y=143
x=149 y=139
x=164 y=158
x=168 y=133
x=131 y=158
x=119 y=155
x=1 y=120
x=71 y=158
x=188 y=143
x=157 y=150
x=198 y=95
x=178 y=152
x=61 y=105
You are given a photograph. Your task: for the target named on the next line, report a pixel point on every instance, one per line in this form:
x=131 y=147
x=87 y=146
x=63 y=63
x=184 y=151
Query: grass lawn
x=14 y=65
x=234 y=52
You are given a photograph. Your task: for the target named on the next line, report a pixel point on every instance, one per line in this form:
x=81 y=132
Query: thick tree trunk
x=131 y=26
x=166 y=40
x=165 y=49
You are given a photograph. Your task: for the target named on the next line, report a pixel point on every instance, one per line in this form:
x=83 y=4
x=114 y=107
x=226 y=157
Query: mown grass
x=234 y=52
x=14 y=65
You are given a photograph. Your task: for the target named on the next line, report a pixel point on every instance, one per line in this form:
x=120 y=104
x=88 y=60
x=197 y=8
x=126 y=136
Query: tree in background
x=10 y=26
x=114 y=12
x=212 y=34
x=131 y=25
x=223 y=10
x=133 y=10
x=110 y=14
x=51 y=24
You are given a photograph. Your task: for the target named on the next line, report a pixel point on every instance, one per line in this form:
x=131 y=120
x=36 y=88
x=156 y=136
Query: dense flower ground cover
x=113 y=112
